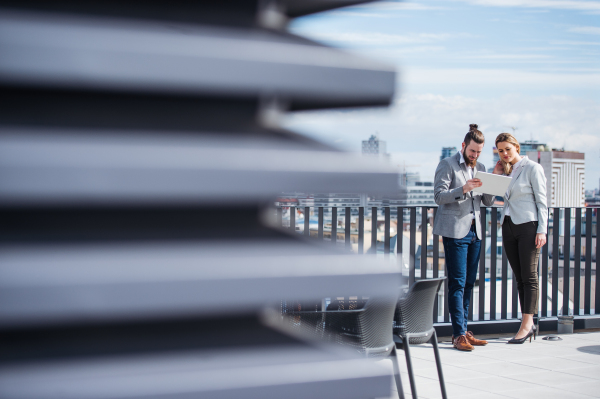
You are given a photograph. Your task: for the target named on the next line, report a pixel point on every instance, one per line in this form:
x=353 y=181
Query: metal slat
x=279 y=217
x=347 y=226
x=361 y=229
x=493 y=261
x=588 y=261
x=555 y=257
x=577 y=266
x=293 y=218
x=307 y=221
x=386 y=240
x=334 y=225
x=597 y=305
x=412 y=245
x=544 y=308
x=567 y=262
x=423 y=242
x=436 y=267
x=374 y=230
x=400 y=236
x=483 y=218
x=320 y=223
x=504 y=287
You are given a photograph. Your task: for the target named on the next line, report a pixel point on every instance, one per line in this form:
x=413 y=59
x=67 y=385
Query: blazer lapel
x=516 y=176
x=462 y=166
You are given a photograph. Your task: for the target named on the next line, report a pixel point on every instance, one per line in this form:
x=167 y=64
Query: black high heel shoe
x=521 y=340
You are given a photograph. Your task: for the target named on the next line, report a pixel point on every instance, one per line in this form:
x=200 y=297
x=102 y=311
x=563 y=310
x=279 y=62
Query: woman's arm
x=538 y=183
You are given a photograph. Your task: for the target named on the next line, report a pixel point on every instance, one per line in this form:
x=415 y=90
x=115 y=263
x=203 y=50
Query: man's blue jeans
x=462 y=257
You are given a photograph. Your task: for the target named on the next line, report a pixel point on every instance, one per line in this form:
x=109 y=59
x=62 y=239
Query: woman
x=524 y=223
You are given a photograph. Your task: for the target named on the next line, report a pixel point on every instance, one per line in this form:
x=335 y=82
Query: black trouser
x=518 y=241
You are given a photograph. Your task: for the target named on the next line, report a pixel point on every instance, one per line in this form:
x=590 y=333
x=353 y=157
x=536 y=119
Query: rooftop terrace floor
x=541 y=369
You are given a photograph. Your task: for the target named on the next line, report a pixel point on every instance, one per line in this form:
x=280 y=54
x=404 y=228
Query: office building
x=565 y=176
x=374 y=147
x=447 y=152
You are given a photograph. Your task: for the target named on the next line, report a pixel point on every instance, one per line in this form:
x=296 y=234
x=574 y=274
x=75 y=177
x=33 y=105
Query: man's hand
x=471 y=184
x=540 y=240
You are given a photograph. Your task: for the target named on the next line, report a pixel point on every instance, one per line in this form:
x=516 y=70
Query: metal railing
x=567 y=271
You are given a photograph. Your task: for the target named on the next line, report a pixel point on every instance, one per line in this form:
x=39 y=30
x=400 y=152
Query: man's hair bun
x=473 y=126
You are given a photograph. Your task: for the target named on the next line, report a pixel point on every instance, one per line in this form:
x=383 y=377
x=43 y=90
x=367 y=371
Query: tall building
x=447 y=152
x=526 y=146
x=374 y=147
x=565 y=176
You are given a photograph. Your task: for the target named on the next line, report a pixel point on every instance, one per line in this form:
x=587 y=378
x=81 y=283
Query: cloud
x=586 y=30
x=578 y=5
x=574 y=43
x=418 y=125
x=357 y=39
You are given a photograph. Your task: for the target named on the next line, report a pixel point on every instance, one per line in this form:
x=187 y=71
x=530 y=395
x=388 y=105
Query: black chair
x=413 y=324
x=366 y=329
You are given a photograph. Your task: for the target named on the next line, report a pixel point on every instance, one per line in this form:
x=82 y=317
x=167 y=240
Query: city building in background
x=375 y=147
x=565 y=176
x=526 y=146
x=447 y=152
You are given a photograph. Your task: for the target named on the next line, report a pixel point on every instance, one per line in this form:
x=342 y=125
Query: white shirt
x=470 y=171
x=515 y=168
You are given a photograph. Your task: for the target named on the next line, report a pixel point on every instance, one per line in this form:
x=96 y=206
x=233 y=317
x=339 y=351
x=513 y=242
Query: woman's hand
x=540 y=240
x=499 y=169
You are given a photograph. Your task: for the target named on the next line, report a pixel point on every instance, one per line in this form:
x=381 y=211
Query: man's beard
x=468 y=161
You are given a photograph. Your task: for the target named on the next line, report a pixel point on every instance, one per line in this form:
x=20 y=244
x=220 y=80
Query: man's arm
x=443 y=180
x=487 y=199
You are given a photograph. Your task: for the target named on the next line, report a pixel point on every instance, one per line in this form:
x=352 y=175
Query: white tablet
x=492 y=184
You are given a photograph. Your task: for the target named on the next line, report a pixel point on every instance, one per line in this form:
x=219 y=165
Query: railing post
x=423 y=242
x=544 y=309
x=279 y=217
x=307 y=221
x=413 y=239
x=361 y=229
x=588 y=262
x=347 y=227
x=388 y=226
x=374 y=230
x=334 y=225
x=577 y=265
x=483 y=218
x=504 y=287
x=567 y=261
x=435 y=267
x=320 y=223
x=555 y=257
x=493 y=260
x=293 y=218
x=400 y=236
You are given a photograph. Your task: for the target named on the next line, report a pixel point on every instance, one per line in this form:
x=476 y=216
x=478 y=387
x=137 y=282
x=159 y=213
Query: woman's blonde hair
x=507 y=138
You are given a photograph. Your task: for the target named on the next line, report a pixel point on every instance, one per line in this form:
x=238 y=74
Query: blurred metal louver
x=138 y=148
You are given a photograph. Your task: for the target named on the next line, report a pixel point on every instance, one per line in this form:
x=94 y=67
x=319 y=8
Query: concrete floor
x=542 y=369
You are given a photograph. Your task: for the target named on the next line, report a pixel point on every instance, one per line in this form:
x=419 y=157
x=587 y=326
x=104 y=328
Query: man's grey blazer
x=455 y=213
x=527 y=196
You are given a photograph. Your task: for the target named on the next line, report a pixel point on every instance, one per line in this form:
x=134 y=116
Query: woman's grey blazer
x=526 y=196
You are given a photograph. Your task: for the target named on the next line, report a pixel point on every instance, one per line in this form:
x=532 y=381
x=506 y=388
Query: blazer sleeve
x=443 y=179
x=538 y=183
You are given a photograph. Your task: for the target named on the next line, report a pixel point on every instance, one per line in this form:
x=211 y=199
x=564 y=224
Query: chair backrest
x=413 y=318
x=368 y=330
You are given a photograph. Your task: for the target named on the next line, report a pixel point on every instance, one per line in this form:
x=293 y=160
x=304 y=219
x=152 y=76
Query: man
x=458 y=222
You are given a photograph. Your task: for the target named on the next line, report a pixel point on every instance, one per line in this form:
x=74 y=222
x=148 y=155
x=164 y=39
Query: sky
x=531 y=65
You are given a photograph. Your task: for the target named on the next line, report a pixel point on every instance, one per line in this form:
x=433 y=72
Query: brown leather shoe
x=474 y=341
x=461 y=343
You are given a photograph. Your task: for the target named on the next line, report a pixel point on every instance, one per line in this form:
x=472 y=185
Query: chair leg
x=438 y=363
x=394 y=356
x=411 y=376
